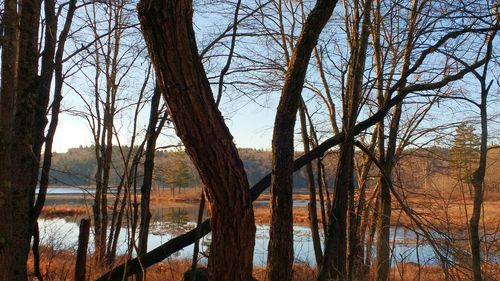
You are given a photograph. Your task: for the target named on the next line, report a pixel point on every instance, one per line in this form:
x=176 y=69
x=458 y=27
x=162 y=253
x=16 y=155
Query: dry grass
x=59 y=266
x=413 y=272
x=446 y=213
x=300 y=216
x=57 y=211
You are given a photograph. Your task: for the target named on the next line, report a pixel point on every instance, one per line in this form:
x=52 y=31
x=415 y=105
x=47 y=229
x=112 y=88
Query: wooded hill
x=430 y=168
x=77 y=167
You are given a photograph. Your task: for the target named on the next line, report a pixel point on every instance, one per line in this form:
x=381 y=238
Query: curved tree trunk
x=168 y=31
x=280 y=255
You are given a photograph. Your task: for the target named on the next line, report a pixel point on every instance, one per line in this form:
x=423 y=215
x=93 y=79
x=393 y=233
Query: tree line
x=173 y=169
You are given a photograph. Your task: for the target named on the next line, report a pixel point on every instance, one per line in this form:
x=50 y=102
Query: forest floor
x=60 y=265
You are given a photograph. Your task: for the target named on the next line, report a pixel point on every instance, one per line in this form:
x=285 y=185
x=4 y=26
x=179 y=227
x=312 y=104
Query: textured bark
x=8 y=259
x=168 y=30
x=23 y=161
x=25 y=96
x=280 y=250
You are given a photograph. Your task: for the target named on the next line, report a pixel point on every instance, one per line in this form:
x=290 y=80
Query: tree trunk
x=81 y=254
x=388 y=161
x=9 y=256
x=362 y=213
x=19 y=188
x=168 y=31
x=479 y=173
x=25 y=96
x=152 y=134
x=341 y=242
x=280 y=250
x=334 y=259
x=313 y=213
x=383 y=262
x=165 y=250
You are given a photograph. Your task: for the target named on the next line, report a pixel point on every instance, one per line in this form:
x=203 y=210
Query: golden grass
x=451 y=214
x=413 y=272
x=57 y=211
x=59 y=266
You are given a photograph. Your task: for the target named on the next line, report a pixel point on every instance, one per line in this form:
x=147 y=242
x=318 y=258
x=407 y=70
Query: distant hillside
x=78 y=166
x=418 y=169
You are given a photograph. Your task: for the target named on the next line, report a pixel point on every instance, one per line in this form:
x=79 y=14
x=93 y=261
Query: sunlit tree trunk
x=168 y=30
x=280 y=250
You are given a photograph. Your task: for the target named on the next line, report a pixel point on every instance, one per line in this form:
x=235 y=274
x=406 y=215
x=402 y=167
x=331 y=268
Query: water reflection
x=169 y=222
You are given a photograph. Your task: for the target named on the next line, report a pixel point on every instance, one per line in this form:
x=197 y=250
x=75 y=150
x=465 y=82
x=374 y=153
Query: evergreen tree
x=464 y=152
x=177 y=173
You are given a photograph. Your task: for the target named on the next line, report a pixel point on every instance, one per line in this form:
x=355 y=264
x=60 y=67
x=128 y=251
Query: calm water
x=167 y=223
x=63 y=234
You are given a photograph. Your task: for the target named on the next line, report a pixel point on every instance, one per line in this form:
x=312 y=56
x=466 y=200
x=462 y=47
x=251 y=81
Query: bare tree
x=113 y=54
x=479 y=173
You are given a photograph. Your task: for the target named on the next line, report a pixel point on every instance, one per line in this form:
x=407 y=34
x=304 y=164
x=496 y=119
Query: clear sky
x=250 y=124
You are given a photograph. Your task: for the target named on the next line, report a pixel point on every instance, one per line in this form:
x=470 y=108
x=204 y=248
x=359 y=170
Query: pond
x=63 y=234
x=167 y=223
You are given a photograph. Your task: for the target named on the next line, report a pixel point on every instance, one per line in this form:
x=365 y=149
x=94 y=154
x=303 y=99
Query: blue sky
x=251 y=126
